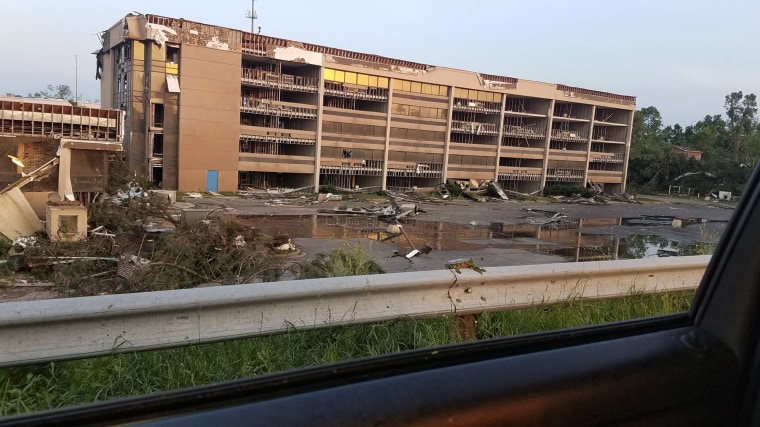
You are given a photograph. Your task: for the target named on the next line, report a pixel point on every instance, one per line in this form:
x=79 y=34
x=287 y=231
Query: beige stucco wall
x=209 y=117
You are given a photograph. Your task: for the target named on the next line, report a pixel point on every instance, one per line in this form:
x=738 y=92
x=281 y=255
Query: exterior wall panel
x=210 y=140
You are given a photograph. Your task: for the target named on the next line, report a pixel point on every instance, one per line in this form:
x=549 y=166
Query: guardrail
x=59 y=329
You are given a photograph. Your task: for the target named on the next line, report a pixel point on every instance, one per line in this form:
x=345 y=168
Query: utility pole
x=251 y=14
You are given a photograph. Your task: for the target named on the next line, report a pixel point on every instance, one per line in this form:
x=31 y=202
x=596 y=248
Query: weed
x=53 y=385
x=567 y=190
x=328 y=189
x=346 y=260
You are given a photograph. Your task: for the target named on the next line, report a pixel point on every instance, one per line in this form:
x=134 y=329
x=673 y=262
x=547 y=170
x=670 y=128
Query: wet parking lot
x=530 y=238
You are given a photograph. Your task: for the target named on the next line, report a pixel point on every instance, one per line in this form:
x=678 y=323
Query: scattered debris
x=443 y=191
x=129 y=264
x=473 y=195
x=101 y=231
x=667 y=252
x=496 y=187
x=548 y=217
x=596 y=200
x=328 y=197
x=282 y=243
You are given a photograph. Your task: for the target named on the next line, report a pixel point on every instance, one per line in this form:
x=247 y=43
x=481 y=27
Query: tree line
x=730 y=147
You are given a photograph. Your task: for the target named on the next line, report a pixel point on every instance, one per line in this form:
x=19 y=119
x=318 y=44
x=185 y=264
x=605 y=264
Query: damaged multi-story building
x=217 y=109
x=54 y=158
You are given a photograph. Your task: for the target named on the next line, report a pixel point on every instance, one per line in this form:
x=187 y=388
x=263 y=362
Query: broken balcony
x=519 y=174
x=524 y=132
x=474 y=128
x=606 y=133
x=564 y=175
x=569 y=134
x=481 y=107
x=276 y=108
x=355 y=91
x=278 y=138
x=58 y=118
x=406 y=169
x=329 y=166
x=258 y=77
x=605 y=157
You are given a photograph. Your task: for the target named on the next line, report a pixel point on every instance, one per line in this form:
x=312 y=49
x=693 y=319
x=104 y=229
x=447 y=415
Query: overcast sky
x=681 y=57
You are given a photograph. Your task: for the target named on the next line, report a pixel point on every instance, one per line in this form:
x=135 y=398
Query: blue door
x=212 y=181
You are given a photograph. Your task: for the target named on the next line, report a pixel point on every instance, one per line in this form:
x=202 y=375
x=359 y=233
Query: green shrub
x=568 y=191
x=454 y=189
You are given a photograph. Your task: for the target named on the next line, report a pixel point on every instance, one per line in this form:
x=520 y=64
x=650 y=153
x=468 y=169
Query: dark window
x=172 y=54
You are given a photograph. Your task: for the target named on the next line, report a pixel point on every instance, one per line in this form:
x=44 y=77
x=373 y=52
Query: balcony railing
x=360 y=92
x=519 y=175
x=280 y=138
x=474 y=128
x=601 y=157
x=263 y=78
x=524 y=132
x=569 y=135
x=351 y=167
x=425 y=170
x=266 y=107
x=564 y=175
x=467 y=105
x=609 y=138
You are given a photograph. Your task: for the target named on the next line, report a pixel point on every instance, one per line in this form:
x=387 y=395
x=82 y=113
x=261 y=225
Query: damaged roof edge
x=142 y=24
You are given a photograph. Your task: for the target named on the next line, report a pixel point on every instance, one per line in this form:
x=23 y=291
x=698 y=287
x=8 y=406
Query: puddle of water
x=575 y=239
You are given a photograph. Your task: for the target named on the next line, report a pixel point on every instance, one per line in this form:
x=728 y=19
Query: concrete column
x=550 y=119
x=387 y=133
x=627 y=151
x=318 y=144
x=65 y=189
x=588 y=144
x=448 y=135
x=501 y=135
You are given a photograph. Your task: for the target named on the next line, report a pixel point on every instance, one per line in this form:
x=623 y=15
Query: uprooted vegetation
x=124 y=255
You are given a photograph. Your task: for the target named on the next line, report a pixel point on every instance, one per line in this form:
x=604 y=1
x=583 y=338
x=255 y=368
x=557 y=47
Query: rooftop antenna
x=251 y=14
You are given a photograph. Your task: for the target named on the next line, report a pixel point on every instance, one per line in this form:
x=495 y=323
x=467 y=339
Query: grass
x=59 y=384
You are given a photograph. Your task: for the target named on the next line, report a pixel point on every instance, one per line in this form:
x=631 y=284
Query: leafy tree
x=54 y=92
x=740 y=110
x=730 y=148
x=647 y=125
x=708 y=135
x=674 y=135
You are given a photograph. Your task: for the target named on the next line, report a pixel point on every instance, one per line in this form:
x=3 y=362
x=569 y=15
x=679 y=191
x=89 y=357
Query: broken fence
x=60 y=329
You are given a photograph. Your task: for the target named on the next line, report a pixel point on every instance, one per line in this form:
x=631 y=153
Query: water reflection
x=587 y=239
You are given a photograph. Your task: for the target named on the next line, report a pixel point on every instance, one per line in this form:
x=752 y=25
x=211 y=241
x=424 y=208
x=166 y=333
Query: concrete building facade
x=215 y=109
